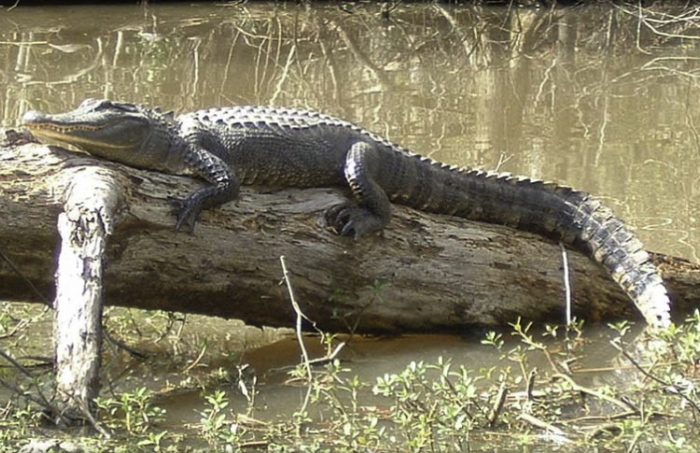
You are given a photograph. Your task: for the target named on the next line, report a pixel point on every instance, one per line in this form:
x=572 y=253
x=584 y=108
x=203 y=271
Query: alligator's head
x=128 y=133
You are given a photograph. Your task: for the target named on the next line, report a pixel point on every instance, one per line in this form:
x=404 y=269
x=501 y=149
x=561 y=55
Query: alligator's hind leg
x=373 y=210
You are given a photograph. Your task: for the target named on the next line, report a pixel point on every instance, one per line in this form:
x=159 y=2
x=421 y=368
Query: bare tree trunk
x=90 y=202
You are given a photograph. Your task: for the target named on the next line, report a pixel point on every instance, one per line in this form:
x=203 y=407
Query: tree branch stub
x=91 y=199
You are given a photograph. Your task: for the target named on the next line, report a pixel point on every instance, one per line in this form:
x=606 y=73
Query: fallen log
x=425 y=273
x=117 y=244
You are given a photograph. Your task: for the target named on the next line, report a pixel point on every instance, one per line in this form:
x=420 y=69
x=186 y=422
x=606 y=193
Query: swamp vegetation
x=535 y=395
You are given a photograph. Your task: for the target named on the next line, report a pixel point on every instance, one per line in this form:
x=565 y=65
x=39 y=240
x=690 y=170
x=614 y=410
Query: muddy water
x=370 y=358
x=590 y=97
x=583 y=96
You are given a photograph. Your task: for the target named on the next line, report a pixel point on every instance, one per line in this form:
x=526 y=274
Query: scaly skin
x=284 y=147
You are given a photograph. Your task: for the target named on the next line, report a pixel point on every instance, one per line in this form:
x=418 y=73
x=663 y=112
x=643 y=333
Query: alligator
x=271 y=146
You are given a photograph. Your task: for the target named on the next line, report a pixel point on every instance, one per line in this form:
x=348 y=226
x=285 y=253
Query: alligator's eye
x=125 y=107
x=103 y=105
x=89 y=103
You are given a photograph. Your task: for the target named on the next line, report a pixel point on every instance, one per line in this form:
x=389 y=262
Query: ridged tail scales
x=573 y=217
x=576 y=218
x=622 y=254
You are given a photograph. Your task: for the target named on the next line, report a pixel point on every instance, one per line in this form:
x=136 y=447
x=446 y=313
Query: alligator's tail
x=574 y=217
x=610 y=242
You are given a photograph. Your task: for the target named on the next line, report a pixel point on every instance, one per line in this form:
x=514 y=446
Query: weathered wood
x=90 y=199
x=425 y=273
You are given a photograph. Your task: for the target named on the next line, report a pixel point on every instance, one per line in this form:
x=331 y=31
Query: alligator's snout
x=33 y=117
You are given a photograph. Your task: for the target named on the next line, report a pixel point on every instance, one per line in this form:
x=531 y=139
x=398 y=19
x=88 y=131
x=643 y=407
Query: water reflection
x=594 y=364
x=590 y=96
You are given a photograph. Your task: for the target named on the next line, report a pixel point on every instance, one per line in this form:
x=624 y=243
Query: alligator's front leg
x=225 y=186
x=373 y=211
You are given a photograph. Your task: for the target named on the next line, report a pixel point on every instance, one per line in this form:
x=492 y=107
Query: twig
x=34 y=289
x=455 y=393
x=498 y=404
x=23 y=43
x=633 y=445
x=16 y=364
x=531 y=384
x=196 y=361
x=600 y=429
x=120 y=344
x=254 y=444
x=318 y=361
x=300 y=337
x=502 y=159
x=647 y=22
x=547 y=74
x=95 y=424
x=385 y=12
x=330 y=357
x=541 y=424
x=20 y=325
x=579 y=388
x=283 y=76
x=608 y=417
x=567 y=282
x=169 y=326
x=41 y=400
x=655 y=378
x=299 y=313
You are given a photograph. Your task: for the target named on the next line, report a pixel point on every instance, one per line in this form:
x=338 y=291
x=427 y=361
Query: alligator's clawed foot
x=350 y=220
x=186 y=212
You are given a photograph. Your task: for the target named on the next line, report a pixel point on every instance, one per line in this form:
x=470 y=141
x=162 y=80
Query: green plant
x=216 y=424
x=153 y=440
x=132 y=411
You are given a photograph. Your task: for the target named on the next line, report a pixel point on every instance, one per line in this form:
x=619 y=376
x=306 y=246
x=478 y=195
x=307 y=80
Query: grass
x=426 y=407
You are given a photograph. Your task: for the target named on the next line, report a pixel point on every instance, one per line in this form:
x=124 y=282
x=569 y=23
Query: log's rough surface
x=91 y=198
x=426 y=273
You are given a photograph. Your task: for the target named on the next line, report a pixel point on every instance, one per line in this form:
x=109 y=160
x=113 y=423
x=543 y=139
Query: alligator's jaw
x=84 y=129
x=128 y=133
x=80 y=134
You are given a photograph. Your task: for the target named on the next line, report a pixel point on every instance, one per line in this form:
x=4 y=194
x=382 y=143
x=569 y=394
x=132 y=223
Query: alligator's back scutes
x=301 y=147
